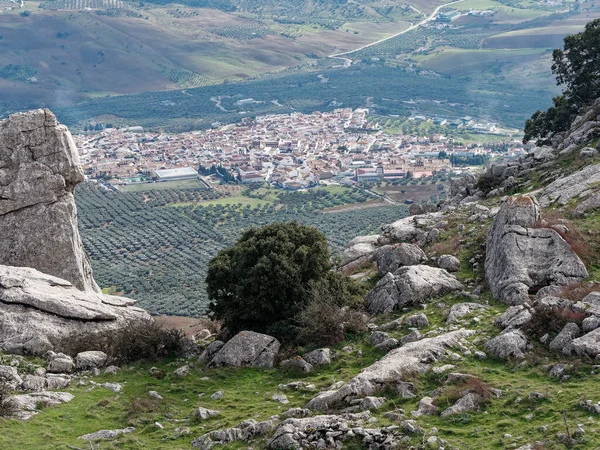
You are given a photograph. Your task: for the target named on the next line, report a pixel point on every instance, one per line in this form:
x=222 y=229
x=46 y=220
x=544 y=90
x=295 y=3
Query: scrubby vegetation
x=270 y=276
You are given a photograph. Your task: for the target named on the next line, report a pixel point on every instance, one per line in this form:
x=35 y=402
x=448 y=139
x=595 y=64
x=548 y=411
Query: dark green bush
x=268 y=277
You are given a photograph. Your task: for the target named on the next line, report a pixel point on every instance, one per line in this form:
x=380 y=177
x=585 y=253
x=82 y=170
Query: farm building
x=182 y=173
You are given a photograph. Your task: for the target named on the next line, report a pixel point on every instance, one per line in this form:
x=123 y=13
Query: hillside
x=158 y=65
x=480 y=331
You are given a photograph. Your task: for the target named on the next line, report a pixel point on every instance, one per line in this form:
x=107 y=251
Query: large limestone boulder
x=391 y=257
x=247 y=349
x=38 y=312
x=578 y=185
x=521 y=259
x=47 y=293
x=410 y=285
x=399 y=364
x=39 y=169
x=510 y=344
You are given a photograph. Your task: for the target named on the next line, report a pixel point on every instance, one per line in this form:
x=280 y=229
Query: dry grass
x=576 y=292
x=579 y=241
x=448 y=246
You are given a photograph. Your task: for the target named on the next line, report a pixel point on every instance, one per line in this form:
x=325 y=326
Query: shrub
x=267 y=278
x=332 y=312
x=137 y=341
x=552 y=320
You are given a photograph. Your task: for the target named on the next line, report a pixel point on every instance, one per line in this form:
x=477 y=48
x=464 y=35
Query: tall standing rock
x=521 y=259
x=39 y=169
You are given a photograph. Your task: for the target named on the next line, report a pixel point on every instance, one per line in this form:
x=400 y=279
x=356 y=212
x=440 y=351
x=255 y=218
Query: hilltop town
x=289 y=150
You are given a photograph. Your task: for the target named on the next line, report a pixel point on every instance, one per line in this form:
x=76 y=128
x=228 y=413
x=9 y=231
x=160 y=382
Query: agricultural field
x=154 y=245
x=158 y=64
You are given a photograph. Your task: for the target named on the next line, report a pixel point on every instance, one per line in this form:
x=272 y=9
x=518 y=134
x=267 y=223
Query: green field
x=159 y=186
x=130 y=63
x=155 y=245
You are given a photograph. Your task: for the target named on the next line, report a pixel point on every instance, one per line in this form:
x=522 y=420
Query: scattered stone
x=391 y=326
x=280 y=398
x=57 y=382
x=369 y=403
x=60 y=363
x=413 y=336
x=410 y=286
x=511 y=344
x=319 y=357
x=377 y=337
x=296 y=364
x=90 y=360
x=387 y=345
x=247 y=349
x=469 y=402
x=205 y=414
x=411 y=358
x=106 y=434
x=449 y=263
x=155 y=395
x=27 y=404
x=417 y=321
x=463 y=309
x=406 y=389
x=391 y=257
x=32 y=383
x=217 y=395
x=111 y=370
x=514 y=317
x=566 y=336
x=426 y=407
x=210 y=351
x=182 y=372
x=11 y=376
x=588 y=344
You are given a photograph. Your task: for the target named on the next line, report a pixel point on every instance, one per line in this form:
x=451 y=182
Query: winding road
x=431 y=17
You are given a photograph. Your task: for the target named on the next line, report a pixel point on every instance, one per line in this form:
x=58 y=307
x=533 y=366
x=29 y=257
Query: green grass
x=237 y=200
x=164 y=185
x=247 y=394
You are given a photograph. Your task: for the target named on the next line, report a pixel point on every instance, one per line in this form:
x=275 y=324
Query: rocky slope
x=484 y=333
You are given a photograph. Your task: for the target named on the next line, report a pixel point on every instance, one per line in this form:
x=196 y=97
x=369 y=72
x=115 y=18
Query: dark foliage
x=576 y=68
x=552 y=321
x=137 y=341
x=265 y=280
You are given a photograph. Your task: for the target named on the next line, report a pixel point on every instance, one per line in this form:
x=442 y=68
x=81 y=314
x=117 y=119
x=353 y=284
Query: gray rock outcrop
x=521 y=258
x=510 y=344
x=27 y=405
x=406 y=361
x=469 y=402
x=449 y=263
x=38 y=311
x=47 y=292
x=318 y=357
x=391 y=257
x=39 y=169
x=247 y=349
x=410 y=285
x=577 y=185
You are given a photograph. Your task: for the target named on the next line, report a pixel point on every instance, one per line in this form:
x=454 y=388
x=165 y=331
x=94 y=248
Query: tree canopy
x=263 y=281
x=577 y=68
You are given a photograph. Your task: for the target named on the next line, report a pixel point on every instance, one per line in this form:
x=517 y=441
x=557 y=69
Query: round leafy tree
x=577 y=68
x=263 y=281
